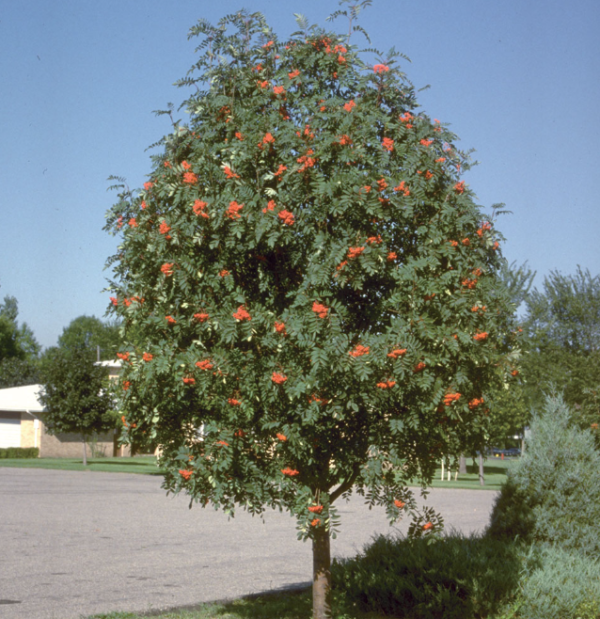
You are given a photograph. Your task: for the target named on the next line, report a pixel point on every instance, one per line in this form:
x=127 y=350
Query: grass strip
x=494 y=469
x=288 y=605
x=145 y=465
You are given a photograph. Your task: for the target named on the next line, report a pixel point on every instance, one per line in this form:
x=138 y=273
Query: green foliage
x=16 y=342
x=27 y=343
x=512 y=411
x=75 y=395
x=303 y=282
x=8 y=339
x=19 y=364
x=453 y=577
x=510 y=415
x=15 y=372
x=553 y=494
x=563 y=333
x=518 y=281
x=19 y=452
x=89 y=332
x=563 y=585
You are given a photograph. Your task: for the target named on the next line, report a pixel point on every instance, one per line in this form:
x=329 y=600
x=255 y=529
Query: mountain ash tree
x=309 y=289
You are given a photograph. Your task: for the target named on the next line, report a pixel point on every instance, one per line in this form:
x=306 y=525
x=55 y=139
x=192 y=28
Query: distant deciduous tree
x=9 y=347
x=19 y=349
x=512 y=409
x=76 y=394
x=562 y=325
x=15 y=372
x=89 y=333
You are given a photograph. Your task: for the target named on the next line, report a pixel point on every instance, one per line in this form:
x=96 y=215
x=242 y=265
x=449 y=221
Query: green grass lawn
x=292 y=605
x=145 y=465
x=495 y=469
x=494 y=475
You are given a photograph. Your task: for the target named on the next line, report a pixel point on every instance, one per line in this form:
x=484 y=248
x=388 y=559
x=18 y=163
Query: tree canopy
x=312 y=287
x=89 y=332
x=19 y=349
x=76 y=394
x=15 y=372
x=16 y=340
x=512 y=410
x=562 y=325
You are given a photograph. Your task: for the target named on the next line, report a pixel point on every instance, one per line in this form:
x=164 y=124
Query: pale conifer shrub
x=565 y=586
x=553 y=495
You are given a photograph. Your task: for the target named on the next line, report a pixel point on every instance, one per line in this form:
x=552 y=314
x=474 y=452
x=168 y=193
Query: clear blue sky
x=518 y=81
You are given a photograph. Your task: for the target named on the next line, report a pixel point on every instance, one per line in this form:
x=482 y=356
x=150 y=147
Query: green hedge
x=19 y=452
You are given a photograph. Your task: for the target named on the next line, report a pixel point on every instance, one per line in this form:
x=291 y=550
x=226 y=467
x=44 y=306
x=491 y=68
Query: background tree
x=310 y=282
x=89 y=333
x=518 y=280
x=76 y=394
x=512 y=411
x=15 y=372
x=562 y=326
x=19 y=350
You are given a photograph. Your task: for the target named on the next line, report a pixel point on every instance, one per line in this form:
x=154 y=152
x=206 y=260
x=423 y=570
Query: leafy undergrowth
x=455 y=577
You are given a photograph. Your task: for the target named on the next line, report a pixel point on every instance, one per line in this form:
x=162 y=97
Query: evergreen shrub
x=565 y=586
x=454 y=577
x=553 y=495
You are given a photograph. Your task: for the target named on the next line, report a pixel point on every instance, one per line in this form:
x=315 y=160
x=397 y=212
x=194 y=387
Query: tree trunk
x=481 y=479
x=84 y=451
x=462 y=464
x=321 y=574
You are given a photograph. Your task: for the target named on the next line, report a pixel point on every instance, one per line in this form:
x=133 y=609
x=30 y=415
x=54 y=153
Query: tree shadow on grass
x=291 y=602
x=286 y=603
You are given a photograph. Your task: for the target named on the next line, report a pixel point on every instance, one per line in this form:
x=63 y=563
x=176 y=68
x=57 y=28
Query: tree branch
x=346 y=485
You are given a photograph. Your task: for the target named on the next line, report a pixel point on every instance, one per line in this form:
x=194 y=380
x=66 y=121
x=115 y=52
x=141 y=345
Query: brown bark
x=322 y=555
x=321 y=574
x=84 y=451
x=462 y=465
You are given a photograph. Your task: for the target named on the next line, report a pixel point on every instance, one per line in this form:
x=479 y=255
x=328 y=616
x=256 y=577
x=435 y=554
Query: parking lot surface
x=77 y=543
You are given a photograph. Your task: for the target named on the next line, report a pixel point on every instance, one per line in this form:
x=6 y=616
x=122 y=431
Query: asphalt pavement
x=77 y=543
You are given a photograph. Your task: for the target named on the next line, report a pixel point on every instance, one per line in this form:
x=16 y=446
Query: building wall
x=30 y=434
x=70 y=446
